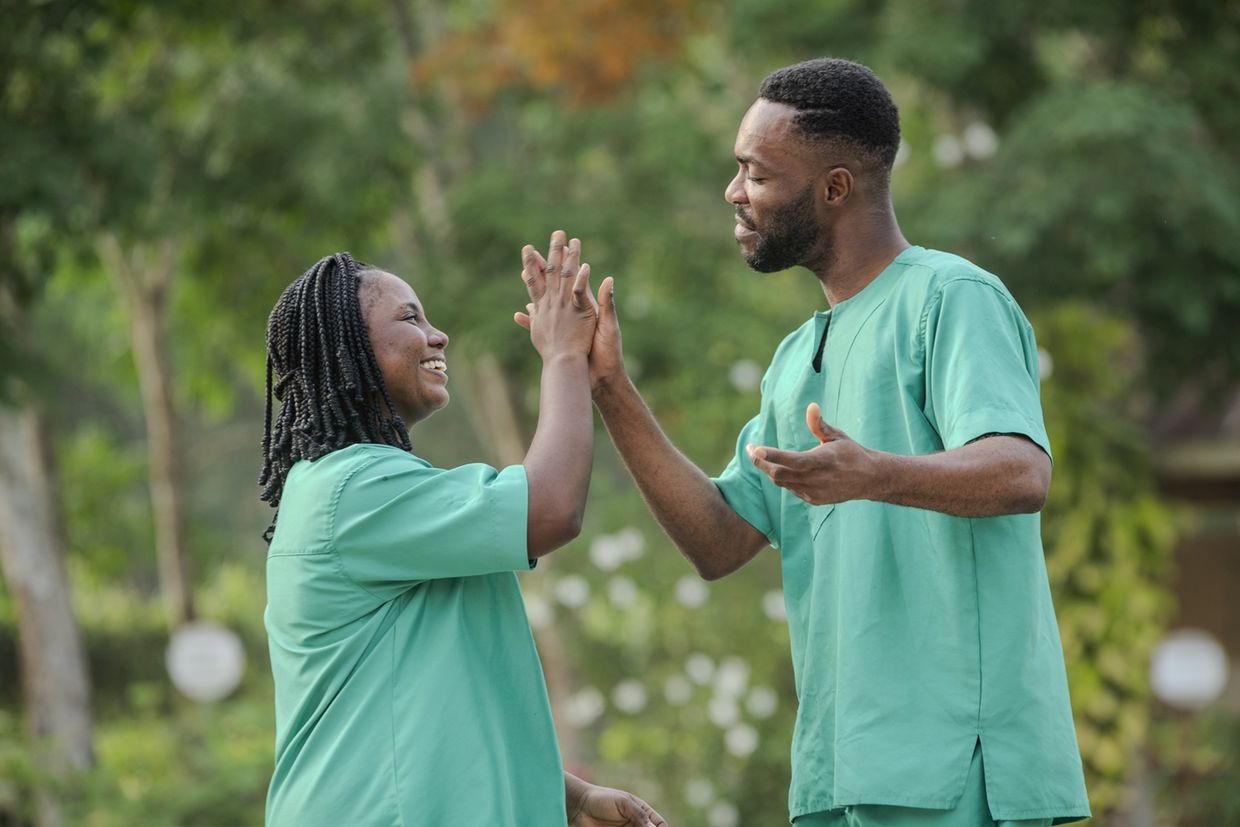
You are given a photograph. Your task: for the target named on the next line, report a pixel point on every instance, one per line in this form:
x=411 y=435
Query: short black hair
x=839 y=101
x=329 y=387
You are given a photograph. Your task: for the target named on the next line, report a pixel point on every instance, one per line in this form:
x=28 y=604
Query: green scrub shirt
x=914 y=633
x=408 y=689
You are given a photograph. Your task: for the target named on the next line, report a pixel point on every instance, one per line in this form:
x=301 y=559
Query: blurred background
x=166 y=169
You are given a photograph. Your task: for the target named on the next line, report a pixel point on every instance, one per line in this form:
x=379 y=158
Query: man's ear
x=838 y=186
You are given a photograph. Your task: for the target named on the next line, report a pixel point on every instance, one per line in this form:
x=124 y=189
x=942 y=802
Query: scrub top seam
x=977 y=609
x=333 y=509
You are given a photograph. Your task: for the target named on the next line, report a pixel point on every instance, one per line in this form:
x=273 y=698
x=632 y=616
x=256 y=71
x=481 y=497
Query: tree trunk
x=55 y=682
x=144 y=279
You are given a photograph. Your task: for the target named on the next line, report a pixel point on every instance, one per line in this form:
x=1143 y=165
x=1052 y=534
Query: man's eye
x=756 y=180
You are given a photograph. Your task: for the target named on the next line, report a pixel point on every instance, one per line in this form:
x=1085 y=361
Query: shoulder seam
x=331 y=525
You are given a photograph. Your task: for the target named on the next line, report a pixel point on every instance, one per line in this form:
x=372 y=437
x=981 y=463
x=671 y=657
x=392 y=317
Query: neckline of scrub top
x=878 y=288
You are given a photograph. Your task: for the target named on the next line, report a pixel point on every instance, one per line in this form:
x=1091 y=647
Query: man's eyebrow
x=749 y=160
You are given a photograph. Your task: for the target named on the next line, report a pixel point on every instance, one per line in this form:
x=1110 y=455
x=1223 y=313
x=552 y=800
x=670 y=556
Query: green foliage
x=1193 y=762
x=1108 y=539
x=203 y=765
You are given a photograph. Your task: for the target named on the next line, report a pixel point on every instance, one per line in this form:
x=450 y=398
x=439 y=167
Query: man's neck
x=859 y=260
x=863 y=247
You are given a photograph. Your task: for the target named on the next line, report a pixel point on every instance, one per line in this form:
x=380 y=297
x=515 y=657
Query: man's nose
x=734 y=193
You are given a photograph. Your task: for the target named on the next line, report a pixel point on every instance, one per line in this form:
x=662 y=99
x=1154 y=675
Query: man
x=898 y=462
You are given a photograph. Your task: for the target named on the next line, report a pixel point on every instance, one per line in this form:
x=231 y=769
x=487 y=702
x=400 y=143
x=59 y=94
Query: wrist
x=607 y=385
x=564 y=357
x=575 y=792
x=884 y=471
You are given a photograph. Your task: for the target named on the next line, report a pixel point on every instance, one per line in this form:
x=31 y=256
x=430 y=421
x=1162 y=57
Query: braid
x=326 y=377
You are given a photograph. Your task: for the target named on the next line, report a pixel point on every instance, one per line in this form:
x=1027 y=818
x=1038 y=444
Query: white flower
x=572 y=590
x=732 y=677
x=741 y=740
x=677 y=690
x=901 y=155
x=1046 y=365
x=584 y=707
x=745 y=375
x=980 y=140
x=691 y=592
x=606 y=552
x=699 y=792
x=722 y=711
x=629 y=696
x=622 y=591
x=537 y=610
x=609 y=551
x=762 y=702
x=632 y=543
x=773 y=605
x=948 y=151
x=723 y=814
x=700 y=668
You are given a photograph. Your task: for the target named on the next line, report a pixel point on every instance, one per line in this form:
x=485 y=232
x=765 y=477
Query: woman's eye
x=412 y=317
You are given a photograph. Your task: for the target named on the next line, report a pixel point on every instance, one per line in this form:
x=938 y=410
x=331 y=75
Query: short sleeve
x=743 y=485
x=398 y=521
x=981 y=365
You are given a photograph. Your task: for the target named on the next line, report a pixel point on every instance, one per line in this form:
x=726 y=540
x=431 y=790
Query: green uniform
x=408 y=689
x=915 y=634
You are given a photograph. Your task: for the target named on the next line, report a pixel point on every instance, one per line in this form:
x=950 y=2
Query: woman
x=408 y=689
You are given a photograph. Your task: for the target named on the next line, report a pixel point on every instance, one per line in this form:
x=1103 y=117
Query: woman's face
x=409 y=351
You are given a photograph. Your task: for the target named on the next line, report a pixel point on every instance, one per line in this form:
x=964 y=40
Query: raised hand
x=606 y=352
x=562 y=314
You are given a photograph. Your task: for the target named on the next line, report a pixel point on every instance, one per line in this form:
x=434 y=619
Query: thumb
x=523 y=319
x=607 y=302
x=818 y=427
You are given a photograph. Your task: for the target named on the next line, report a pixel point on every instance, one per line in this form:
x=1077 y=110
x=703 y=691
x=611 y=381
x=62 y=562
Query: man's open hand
x=836 y=471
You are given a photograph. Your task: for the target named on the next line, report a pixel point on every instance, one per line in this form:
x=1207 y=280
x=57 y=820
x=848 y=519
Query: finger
x=813 y=418
x=780 y=474
x=647 y=816
x=583 y=299
x=792 y=460
x=522 y=319
x=555 y=253
x=607 y=302
x=532 y=271
x=570 y=265
x=542 y=262
x=819 y=427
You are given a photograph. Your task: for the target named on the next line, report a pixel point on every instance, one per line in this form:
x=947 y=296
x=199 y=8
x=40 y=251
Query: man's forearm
x=681 y=497
x=988 y=478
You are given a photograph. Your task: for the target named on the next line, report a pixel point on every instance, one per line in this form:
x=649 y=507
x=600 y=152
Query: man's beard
x=788 y=237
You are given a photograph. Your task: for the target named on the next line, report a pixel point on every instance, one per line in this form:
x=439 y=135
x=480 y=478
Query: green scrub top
x=915 y=634
x=408 y=688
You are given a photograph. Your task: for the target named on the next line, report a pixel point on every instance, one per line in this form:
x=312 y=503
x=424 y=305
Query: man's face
x=773 y=192
x=408 y=349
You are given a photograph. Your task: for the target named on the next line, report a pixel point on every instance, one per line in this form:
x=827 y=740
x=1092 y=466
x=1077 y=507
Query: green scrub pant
x=972 y=811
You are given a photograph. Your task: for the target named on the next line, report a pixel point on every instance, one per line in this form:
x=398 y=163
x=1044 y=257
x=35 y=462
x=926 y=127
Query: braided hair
x=328 y=382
